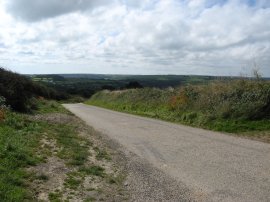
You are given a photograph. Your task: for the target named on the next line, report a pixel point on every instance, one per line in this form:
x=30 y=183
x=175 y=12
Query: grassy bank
x=51 y=155
x=231 y=106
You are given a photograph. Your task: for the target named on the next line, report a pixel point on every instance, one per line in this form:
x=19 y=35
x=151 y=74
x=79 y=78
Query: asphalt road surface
x=214 y=166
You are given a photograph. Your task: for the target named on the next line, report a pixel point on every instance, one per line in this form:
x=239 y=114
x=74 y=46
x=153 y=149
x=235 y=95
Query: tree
x=133 y=84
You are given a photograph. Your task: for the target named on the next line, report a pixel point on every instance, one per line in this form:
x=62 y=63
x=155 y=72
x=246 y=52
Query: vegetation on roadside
x=3 y=107
x=19 y=91
x=19 y=140
x=32 y=146
x=231 y=106
x=48 y=154
x=44 y=106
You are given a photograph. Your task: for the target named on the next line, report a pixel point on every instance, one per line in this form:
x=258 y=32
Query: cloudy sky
x=210 y=37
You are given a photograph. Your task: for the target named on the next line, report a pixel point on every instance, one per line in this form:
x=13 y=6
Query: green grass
x=19 y=147
x=90 y=199
x=49 y=106
x=42 y=177
x=72 y=182
x=235 y=107
x=28 y=140
x=19 y=140
x=93 y=170
x=238 y=126
x=55 y=197
x=73 y=149
x=199 y=120
x=102 y=154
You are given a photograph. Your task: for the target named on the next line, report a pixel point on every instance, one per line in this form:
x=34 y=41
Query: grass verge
x=35 y=148
x=19 y=141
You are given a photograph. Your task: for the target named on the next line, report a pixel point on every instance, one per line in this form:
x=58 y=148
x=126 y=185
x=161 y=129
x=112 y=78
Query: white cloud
x=35 y=10
x=166 y=36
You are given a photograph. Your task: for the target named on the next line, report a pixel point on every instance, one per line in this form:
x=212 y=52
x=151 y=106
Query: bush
x=2 y=115
x=19 y=91
x=2 y=108
x=240 y=99
x=133 y=85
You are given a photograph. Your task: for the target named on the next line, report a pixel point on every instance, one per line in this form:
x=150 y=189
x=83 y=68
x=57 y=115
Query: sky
x=199 y=37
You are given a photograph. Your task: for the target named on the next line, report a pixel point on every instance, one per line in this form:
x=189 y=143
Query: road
x=215 y=166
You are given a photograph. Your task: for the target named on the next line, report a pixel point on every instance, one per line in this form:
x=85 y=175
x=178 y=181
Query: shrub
x=2 y=108
x=185 y=97
x=180 y=101
x=19 y=91
x=2 y=115
x=133 y=85
x=241 y=99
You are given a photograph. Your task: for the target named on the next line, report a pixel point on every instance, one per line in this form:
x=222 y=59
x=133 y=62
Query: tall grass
x=231 y=106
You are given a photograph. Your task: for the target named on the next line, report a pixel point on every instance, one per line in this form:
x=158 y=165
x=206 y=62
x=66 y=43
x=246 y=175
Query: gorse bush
x=19 y=91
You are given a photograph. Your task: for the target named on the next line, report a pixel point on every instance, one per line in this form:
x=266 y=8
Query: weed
x=102 y=154
x=93 y=170
x=42 y=177
x=90 y=199
x=116 y=179
x=72 y=182
x=55 y=197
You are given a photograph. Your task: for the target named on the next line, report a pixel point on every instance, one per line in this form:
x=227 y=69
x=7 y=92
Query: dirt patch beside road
x=98 y=178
